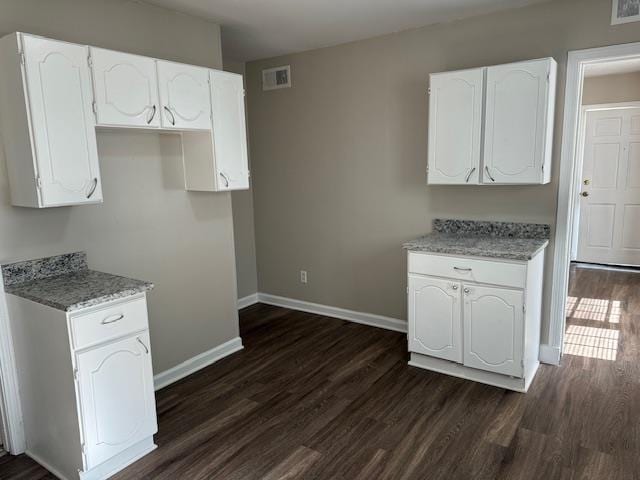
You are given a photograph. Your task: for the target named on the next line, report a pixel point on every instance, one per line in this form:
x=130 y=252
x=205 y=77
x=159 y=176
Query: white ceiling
x=612 y=68
x=255 y=29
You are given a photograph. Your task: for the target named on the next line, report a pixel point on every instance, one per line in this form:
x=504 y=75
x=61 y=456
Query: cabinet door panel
x=493 y=329
x=63 y=126
x=435 y=318
x=126 y=89
x=455 y=126
x=117 y=397
x=184 y=96
x=516 y=122
x=229 y=131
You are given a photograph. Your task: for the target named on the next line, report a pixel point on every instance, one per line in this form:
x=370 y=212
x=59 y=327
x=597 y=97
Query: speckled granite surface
x=511 y=241
x=65 y=283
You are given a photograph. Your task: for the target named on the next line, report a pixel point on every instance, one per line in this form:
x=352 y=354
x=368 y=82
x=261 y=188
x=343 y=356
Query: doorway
x=598 y=216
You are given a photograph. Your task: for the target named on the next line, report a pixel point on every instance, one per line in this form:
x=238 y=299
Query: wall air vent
x=277 y=77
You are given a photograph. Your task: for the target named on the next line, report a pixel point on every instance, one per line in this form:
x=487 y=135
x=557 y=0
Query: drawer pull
x=460 y=269
x=112 y=319
x=144 y=346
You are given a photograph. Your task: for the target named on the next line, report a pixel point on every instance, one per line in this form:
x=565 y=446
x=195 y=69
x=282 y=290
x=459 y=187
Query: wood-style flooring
x=313 y=397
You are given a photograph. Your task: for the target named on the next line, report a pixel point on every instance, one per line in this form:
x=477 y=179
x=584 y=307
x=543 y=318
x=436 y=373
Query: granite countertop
x=65 y=282
x=511 y=241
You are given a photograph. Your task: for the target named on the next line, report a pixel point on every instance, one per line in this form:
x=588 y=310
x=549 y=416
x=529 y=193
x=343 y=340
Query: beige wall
x=611 y=89
x=148 y=226
x=339 y=159
x=244 y=235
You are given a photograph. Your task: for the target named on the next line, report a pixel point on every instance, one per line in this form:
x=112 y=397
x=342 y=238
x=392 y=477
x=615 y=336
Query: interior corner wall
x=339 y=159
x=148 y=227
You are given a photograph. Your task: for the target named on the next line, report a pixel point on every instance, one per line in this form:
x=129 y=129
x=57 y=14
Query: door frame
x=582 y=133
x=10 y=406
x=577 y=61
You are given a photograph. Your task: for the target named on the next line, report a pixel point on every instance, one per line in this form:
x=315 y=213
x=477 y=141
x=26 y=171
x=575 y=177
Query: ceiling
x=255 y=29
x=612 y=68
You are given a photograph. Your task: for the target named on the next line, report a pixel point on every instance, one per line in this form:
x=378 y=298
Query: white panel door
x=455 y=126
x=609 y=228
x=493 y=329
x=126 y=89
x=184 y=96
x=517 y=103
x=435 y=322
x=63 y=125
x=229 y=131
x=117 y=397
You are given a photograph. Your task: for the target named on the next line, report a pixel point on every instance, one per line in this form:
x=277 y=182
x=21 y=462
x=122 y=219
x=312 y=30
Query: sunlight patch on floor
x=591 y=342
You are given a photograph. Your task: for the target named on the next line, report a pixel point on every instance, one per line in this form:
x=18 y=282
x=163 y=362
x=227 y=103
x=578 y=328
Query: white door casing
x=63 y=125
x=435 y=324
x=184 y=96
x=126 y=89
x=116 y=397
x=229 y=131
x=455 y=127
x=609 y=226
x=493 y=329
x=517 y=99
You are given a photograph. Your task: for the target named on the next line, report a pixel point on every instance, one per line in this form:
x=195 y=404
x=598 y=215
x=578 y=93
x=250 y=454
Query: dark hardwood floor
x=319 y=398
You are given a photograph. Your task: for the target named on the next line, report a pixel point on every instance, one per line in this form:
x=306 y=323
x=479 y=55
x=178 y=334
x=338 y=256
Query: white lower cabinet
x=86 y=384
x=464 y=327
x=115 y=383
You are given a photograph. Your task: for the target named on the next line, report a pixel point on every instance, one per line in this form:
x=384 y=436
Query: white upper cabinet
x=49 y=122
x=493 y=329
x=435 y=310
x=229 y=131
x=126 y=89
x=455 y=125
x=184 y=96
x=519 y=122
x=492 y=125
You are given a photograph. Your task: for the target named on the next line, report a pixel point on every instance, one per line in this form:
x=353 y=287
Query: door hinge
x=89 y=60
x=83 y=447
x=548 y=76
x=524 y=309
x=94 y=107
x=244 y=93
x=75 y=373
x=22 y=60
x=429 y=91
x=407 y=290
x=39 y=182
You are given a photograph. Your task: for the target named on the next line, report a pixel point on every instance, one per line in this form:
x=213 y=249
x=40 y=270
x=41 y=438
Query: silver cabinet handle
x=226 y=179
x=144 y=346
x=173 y=119
x=112 y=319
x=489 y=173
x=467 y=291
x=460 y=269
x=153 y=114
x=454 y=286
x=93 y=188
x=469 y=174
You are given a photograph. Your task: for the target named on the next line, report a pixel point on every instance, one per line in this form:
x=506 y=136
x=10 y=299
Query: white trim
x=549 y=354
x=370 y=319
x=247 y=301
x=569 y=176
x=196 y=363
x=11 y=409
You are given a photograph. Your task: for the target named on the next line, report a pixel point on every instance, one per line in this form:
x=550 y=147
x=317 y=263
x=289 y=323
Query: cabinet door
x=435 y=318
x=184 y=96
x=493 y=329
x=126 y=89
x=62 y=122
x=229 y=131
x=117 y=398
x=516 y=133
x=455 y=126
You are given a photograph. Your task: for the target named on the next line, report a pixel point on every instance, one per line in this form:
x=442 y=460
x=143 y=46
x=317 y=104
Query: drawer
x=112 y=321
x=469 y=269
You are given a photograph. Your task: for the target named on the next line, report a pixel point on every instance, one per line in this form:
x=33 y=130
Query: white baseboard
x=549 y=354
x=370 y=319
x=247 y=301
x=196 y=363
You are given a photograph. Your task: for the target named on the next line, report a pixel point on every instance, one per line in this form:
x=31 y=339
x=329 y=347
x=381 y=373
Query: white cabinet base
x=458 y=370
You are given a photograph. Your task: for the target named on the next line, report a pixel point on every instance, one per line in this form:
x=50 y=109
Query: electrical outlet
x=303 y=276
